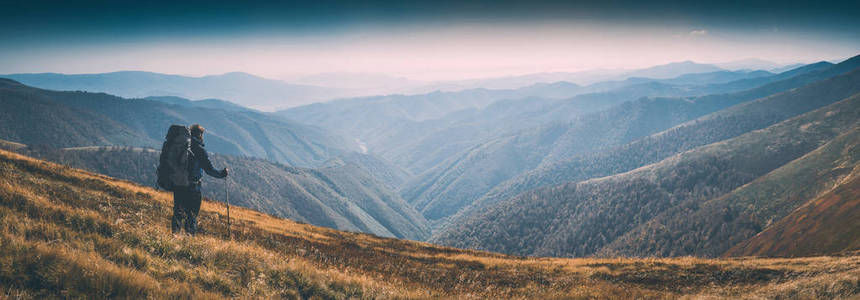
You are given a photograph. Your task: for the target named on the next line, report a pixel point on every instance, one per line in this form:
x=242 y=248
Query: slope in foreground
x=70 y=233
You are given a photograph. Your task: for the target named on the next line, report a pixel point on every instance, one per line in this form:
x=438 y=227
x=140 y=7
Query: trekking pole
x=227 y=200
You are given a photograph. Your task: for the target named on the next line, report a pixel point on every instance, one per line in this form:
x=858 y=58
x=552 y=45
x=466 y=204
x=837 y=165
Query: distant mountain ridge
x=202 y=103
x=673 y=70
x=270 y=95
x=242 y=88
x=749 y=64
x=587 y=77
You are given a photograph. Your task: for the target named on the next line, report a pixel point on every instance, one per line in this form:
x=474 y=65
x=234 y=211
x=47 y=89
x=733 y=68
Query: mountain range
x=418 y=132
x=453 y=185
x=708 y=129
x=269 y=94
x=751 y=64
x=699 y=202
x=241 y=88
x=72 y=119
x=587 y=77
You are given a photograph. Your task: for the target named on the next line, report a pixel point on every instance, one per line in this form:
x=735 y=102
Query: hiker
x=183 y=158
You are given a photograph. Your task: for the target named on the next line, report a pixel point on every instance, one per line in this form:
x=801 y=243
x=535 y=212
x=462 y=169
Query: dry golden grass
x=69 y=233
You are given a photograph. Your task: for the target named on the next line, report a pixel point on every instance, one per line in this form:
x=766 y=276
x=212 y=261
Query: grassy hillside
x=585 y=218
x=71 y=119
x=70 y=233
x=343 y=196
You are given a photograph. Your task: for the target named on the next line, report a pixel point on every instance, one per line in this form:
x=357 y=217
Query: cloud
x=699 y=32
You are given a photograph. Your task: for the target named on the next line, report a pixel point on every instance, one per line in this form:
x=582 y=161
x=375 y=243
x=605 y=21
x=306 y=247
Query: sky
x=421 y=40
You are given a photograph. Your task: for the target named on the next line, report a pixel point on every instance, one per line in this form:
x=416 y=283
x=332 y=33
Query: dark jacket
x=201 y=162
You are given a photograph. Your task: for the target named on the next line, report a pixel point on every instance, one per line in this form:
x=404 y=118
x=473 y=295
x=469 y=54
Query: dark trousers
x=186 y=206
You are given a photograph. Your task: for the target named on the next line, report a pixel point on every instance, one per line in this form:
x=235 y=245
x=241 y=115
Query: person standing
x=186 y=199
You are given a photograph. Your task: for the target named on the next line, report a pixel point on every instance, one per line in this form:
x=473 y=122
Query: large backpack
x=175 y=160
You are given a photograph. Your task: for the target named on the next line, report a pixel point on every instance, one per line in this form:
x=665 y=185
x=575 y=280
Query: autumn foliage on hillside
x=70 y=233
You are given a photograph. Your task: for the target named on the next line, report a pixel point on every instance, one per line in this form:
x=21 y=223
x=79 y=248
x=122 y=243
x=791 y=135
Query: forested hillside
x=585 y=218
x=34 y=118
x=71 y=119
x=418 y=132
x=824 y=225
x=464 y=178
x=387 y=173
x=705 y=130
x=712 y=227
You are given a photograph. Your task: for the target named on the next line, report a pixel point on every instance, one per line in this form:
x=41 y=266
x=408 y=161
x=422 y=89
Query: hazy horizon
x=393 y=76
x=424 y=41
